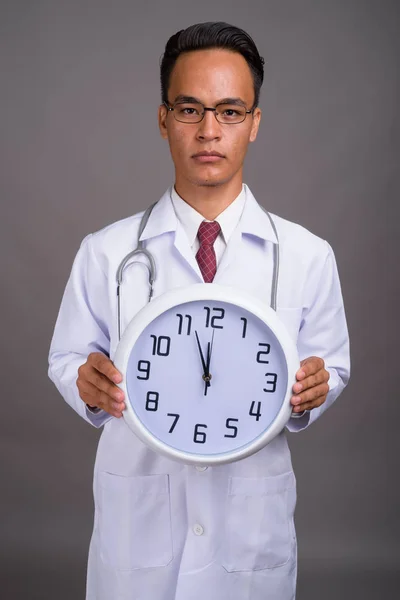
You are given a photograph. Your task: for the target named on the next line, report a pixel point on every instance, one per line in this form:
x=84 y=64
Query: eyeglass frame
x=213 y=109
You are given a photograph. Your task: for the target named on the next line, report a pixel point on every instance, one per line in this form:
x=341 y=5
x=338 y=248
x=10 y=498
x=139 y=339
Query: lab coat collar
x=162 y=218
x=254 y=220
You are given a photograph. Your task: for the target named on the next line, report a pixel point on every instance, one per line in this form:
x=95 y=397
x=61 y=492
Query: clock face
x=170 y=391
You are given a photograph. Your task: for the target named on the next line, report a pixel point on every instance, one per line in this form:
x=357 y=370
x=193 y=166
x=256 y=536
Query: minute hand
x=209 y=352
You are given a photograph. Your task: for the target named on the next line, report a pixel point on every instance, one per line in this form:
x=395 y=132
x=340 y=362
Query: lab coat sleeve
x=323 y=332
x=81 y=328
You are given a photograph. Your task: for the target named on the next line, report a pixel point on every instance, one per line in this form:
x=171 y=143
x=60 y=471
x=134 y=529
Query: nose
x=209 y=128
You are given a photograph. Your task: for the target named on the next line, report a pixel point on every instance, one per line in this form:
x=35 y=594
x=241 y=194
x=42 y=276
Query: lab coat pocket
x=134 y=521
x=291 y=318
x=259 y=526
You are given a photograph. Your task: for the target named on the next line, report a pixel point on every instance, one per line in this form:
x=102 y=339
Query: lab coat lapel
x=163 y=219
x=253 y=222
x=181 y=243
x=234 y=246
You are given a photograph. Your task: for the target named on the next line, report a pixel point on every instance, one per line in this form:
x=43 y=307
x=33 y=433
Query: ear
x=162 y=121
x=255 y=125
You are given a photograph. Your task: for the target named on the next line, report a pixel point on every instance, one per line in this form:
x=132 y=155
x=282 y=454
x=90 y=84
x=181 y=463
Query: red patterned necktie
x=207 y=234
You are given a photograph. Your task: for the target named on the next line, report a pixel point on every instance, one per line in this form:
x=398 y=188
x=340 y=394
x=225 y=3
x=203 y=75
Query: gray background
x=80 y=148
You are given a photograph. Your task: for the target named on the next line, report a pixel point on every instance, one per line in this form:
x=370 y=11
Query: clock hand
x=207 y=375
x=209 y=352
x=203 y=362
x=208 y=358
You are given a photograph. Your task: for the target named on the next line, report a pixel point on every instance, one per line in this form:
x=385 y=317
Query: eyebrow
x=192 y=99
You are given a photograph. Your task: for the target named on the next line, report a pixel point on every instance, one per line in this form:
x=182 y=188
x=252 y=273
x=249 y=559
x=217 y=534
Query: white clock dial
x=206 y=380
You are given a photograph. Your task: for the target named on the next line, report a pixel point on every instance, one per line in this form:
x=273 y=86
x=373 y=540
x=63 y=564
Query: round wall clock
x=207 y=373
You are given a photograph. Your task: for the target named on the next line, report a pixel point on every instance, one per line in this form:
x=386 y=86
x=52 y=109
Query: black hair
x=209 y=35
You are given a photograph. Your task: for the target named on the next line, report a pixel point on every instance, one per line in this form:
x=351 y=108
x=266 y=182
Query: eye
x=188 y=110
x=231 y=112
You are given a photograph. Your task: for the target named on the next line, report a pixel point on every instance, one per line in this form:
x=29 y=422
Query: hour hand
x=203 y=362
x=206 y=376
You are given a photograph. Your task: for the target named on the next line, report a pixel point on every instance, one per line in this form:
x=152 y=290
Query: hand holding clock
x=97 y=378
x=96 y=384
x=311 y=388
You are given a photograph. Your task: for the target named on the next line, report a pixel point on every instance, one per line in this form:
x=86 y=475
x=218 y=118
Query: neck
x=209 y=201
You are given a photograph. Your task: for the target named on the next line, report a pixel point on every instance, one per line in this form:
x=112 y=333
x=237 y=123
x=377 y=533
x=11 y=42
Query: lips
x=205 y=153
x=208 y=157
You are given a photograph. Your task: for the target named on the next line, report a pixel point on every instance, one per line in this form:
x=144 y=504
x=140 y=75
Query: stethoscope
x=151 y=266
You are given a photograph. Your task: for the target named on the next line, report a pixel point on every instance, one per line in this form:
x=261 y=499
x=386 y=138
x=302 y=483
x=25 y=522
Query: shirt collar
x=251 y=217
x=190 y=219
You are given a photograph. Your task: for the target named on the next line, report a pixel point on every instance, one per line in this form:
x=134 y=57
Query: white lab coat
x=164 y=530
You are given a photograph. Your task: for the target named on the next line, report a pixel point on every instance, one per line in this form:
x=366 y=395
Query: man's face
x=209 y=76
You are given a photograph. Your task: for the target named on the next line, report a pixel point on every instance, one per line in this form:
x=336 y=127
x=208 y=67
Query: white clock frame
x=210 y=292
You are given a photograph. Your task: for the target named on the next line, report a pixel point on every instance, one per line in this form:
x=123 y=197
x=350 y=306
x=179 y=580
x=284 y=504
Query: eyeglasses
x=193 y=112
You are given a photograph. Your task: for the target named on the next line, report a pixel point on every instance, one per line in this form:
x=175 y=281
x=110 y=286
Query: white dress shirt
x=190 y=220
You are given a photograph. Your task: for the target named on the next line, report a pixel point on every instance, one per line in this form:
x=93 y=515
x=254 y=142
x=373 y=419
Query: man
x=164 y=530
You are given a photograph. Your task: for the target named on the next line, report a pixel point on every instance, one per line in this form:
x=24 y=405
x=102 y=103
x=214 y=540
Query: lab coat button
x=199 y=468
x=198 y=529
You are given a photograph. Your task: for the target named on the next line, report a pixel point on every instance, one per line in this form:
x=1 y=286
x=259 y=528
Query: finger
x=310 y=366
x=321 y=376
x=94 y=397
x=310 y=405
x=317 y=393
x=105 y=366
x=103 y=384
